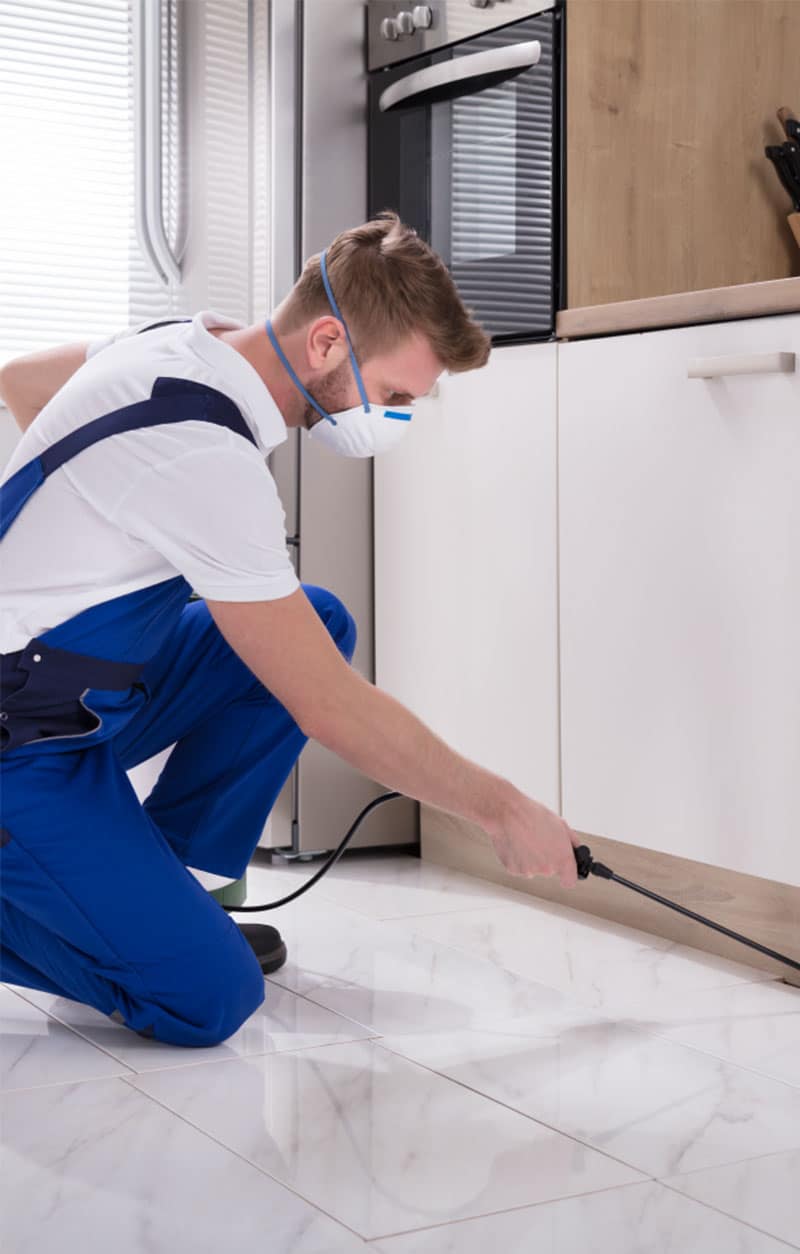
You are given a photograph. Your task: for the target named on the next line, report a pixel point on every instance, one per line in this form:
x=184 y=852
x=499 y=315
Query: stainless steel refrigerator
x=318 y=187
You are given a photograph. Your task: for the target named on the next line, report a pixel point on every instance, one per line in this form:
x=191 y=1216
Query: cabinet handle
x=748 y=363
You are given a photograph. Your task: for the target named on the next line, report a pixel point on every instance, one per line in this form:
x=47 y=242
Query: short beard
x=331 y=394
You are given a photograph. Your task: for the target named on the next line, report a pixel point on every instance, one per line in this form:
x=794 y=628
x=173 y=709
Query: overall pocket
x=43 y=690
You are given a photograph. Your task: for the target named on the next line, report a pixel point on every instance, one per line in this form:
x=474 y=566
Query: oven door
x=465 y=145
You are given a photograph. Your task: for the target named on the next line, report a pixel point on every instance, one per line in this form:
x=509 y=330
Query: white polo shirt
x=188 y=498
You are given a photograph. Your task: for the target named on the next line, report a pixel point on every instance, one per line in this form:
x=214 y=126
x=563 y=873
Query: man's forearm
x=383 y=739
x=28 y=383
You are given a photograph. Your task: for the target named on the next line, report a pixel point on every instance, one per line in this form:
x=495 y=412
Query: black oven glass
x=475 y=177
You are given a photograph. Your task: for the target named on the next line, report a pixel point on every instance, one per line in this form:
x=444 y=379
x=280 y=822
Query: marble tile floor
x=443 y=1065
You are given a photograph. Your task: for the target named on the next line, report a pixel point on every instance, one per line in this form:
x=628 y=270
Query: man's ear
x=326 y=344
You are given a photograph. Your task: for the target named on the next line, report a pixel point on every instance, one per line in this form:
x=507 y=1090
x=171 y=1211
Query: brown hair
x=388 y=283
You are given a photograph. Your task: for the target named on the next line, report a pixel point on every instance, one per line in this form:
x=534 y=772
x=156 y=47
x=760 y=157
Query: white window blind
x=68 y=253
x=71 y=267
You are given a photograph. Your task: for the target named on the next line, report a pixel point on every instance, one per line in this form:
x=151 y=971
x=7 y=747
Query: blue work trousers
x=97 y=902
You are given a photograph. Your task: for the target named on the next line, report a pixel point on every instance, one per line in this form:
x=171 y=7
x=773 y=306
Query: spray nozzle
x=587 y=864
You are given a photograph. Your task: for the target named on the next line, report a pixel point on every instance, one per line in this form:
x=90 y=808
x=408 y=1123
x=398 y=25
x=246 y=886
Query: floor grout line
x=745 y=1223
x=514 y=1110
x=75 y=1032
x=60 y=1084
x=510 y=1210
x=737 y=1162
x=243 y=1158
x=562 y=1132
x=633 y=1184
x=636 y=1184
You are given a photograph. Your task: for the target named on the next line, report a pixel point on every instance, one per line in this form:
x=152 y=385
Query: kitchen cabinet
x=679 y=533
x=465 y=567
x=670 y=104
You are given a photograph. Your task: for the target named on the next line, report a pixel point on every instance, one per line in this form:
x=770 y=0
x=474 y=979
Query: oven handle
x=454 y=78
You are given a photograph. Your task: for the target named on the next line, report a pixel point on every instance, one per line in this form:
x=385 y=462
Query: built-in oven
x=465 y=139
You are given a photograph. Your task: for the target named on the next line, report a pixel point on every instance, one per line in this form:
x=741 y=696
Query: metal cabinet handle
x=147 y=141
x=449 y=79
x=747 y=363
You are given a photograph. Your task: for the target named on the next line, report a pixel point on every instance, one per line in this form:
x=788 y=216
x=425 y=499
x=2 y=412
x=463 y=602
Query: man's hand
x=531 y=840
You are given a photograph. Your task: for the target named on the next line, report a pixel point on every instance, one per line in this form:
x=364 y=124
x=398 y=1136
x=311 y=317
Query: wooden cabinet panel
x=669 y=106
x=679 y=516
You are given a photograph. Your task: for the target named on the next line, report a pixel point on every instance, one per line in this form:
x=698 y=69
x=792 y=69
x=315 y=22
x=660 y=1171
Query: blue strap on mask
x=361 y=390
x=291 y=373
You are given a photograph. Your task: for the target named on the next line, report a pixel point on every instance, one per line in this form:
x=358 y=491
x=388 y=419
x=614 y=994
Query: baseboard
x=764 y=910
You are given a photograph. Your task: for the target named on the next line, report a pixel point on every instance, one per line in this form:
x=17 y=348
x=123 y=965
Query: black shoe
x=266 y=944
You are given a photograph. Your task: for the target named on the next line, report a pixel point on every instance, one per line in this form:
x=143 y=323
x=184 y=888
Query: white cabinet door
x=680 y=595
x=465 y=567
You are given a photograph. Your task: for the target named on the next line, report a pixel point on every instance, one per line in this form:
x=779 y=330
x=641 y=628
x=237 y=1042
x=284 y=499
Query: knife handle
x=794 y=222
x=790 y=124
x=784 y=167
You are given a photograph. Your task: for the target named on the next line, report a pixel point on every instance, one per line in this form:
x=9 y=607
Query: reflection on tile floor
x=442 y=1065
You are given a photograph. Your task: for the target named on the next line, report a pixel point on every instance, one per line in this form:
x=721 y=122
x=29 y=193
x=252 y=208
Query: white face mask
x=365 y=429
x=358 y=434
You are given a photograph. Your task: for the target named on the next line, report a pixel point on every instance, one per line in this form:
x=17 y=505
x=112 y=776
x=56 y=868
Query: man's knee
x=239 y=995
x=214 y=1001
x=336 y=617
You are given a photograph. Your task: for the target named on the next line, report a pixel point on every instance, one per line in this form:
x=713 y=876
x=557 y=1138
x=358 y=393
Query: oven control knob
x=479 y=4
x=389 y=28
x=422 y=16
x=405 y=23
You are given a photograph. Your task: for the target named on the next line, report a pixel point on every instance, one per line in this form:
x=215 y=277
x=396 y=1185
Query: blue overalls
x=96 y=899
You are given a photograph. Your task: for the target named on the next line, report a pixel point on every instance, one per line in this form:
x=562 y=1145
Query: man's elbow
x=6 y=385
x=13 y=396
x=30 y=382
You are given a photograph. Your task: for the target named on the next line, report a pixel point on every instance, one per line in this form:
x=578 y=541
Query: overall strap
x=172 y=400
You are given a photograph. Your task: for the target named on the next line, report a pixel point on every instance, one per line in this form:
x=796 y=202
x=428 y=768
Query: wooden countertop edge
x=744 y=300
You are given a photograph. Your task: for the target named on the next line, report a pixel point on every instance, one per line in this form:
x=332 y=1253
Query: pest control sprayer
x=586 y=866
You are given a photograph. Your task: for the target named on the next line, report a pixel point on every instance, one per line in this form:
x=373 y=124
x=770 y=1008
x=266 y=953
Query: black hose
x=337 y=853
